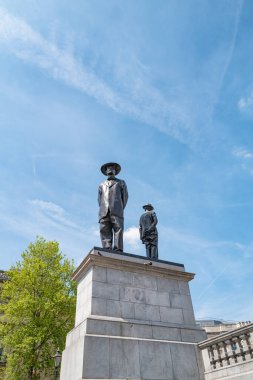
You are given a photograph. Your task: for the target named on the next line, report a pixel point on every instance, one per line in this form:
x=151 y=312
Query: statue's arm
x=99 y=195
x=155 y=218
x=141 y=231
x=124 y=194
x=154 y=223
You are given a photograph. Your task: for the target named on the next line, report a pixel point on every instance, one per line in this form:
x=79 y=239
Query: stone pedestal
x=134 y=320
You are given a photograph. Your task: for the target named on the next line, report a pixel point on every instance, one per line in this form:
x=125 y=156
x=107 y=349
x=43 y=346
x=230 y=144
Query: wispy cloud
x=149 y=107
x=202 y=251
x=216 y=263
x=83 y=160
x=130 y=92
x=245 y=158
x=31 y=47
x=230 y=50
x=231 y=306
x=213 y=280
x=54 y=212
x=242 y=153
x=40 y=217
x=246 y=103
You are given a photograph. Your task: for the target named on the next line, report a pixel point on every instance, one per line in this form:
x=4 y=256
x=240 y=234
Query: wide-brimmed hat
x=148 y=205
x=116 y=166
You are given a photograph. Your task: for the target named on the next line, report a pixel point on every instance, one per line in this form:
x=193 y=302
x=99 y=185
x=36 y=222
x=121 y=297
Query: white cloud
x=132 y=238
x=242 y=153
x=246 y=159
x=246 y=103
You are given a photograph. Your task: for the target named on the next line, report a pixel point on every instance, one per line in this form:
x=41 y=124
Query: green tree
x=39 y=305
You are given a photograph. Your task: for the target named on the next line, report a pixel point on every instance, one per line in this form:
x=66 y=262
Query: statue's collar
x=110 y=182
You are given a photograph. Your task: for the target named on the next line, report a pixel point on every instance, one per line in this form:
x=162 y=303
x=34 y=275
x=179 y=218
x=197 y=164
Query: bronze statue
x=148 y=231
x=112 y=199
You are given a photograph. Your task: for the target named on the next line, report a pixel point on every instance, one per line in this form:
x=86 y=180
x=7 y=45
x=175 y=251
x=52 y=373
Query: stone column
x=134 y=320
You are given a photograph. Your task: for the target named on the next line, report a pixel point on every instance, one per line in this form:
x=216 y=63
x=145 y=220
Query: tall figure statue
x=112 y=199
x=148 y=231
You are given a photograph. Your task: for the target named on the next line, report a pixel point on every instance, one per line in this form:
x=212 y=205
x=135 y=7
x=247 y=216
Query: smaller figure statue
x=148 y=231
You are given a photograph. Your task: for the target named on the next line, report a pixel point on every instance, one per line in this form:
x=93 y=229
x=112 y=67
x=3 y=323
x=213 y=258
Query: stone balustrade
x=229 y=350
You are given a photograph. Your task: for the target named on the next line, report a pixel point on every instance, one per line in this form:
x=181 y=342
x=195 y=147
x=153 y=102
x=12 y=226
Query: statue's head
x=148 y=207
x=111 y=169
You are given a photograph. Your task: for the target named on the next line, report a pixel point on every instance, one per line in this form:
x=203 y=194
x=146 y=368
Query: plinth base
x=134 y=320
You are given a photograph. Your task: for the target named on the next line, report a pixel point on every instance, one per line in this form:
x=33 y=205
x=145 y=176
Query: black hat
x=148 y=205
x=116 y=166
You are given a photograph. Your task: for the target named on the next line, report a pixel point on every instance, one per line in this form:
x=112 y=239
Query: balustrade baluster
x=212 y=361
x=242 y=352
x=248 y=342
x=219 y=354
x=233 y=348
x=226 y=352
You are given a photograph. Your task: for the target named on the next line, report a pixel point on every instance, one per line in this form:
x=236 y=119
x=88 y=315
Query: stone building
x=214 y=327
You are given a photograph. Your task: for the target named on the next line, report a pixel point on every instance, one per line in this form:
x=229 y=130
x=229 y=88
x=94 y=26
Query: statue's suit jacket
x=148 y=220
x=112 y=196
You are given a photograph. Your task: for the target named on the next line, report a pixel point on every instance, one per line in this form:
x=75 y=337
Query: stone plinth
x=134 y=320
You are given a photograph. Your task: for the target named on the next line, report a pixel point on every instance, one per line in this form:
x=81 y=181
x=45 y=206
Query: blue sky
x=163 y=87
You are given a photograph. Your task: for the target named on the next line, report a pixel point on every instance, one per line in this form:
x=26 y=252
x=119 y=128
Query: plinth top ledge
x=129 y=262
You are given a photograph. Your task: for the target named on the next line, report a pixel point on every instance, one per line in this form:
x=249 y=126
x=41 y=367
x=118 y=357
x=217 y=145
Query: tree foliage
x=39 y=305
